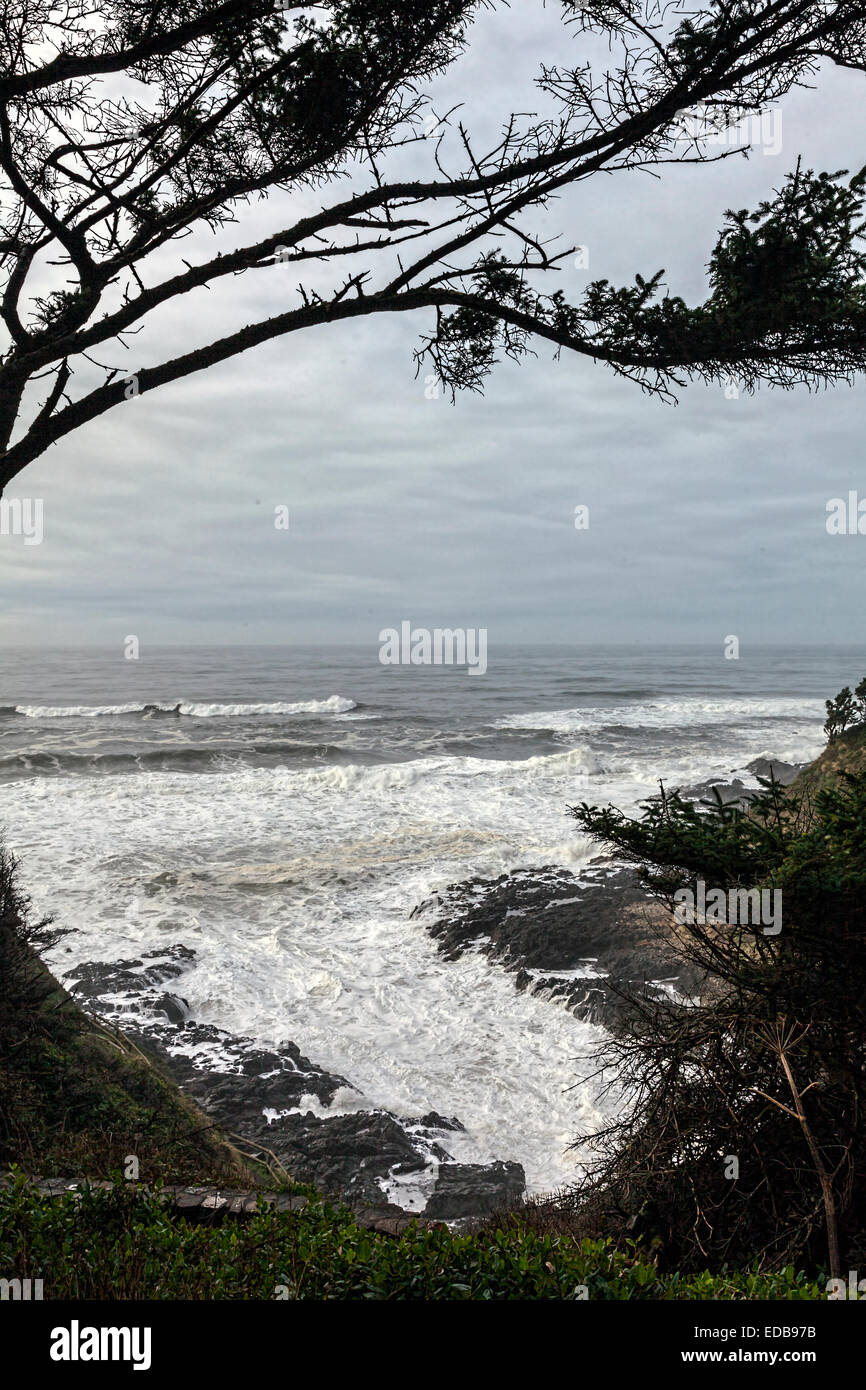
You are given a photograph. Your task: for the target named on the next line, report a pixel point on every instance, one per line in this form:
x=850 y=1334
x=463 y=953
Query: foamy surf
x=289 y=859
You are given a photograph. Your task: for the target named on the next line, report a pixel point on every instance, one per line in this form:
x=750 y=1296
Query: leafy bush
x=124 y=1244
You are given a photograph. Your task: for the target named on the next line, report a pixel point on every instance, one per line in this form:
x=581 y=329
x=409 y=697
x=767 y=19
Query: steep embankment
x=846 y=753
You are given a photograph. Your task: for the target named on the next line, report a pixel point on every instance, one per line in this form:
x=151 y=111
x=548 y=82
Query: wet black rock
x=353 y=1156
x=176 y=1010
x=434 y=1121
x=584 y=939
x=100 y=979
x=474 y=1189
x=734 y=789
x=774 y=767
x=212 y=1066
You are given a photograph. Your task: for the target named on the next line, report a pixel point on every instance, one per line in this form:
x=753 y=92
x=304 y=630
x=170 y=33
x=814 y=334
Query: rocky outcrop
x=584 y=939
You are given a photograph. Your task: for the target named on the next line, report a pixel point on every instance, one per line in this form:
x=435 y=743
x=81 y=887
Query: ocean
x=288 y=818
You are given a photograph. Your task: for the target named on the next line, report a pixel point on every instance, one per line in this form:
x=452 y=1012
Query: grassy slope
x=76 y=1098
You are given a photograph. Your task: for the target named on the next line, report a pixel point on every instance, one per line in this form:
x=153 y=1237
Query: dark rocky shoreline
x=269 y=1098
x=581 y=940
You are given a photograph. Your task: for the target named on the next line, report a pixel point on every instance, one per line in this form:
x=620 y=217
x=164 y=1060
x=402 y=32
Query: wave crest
x=334 y=704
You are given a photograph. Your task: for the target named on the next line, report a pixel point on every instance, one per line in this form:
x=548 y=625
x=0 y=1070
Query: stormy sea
x=345 y=900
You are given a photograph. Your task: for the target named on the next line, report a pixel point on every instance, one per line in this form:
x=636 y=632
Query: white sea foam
x=74 y=711
x=669 y=713
x=345 y=1101
x=295 y=887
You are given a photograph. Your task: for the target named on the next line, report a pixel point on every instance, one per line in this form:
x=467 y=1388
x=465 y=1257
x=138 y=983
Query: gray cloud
x=706 y=519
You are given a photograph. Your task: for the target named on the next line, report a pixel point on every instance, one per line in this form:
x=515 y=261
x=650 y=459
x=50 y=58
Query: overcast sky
x=705 y=519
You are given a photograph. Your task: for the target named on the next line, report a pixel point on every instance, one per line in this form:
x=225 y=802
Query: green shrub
x=124 y=1244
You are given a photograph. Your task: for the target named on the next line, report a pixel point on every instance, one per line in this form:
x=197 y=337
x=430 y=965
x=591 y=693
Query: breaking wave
x=334 y=704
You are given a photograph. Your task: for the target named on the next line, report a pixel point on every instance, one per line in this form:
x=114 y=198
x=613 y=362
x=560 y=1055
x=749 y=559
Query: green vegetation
x=845 y=753
x=123 y=1244
x=846 y=711
x=745 y=1140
